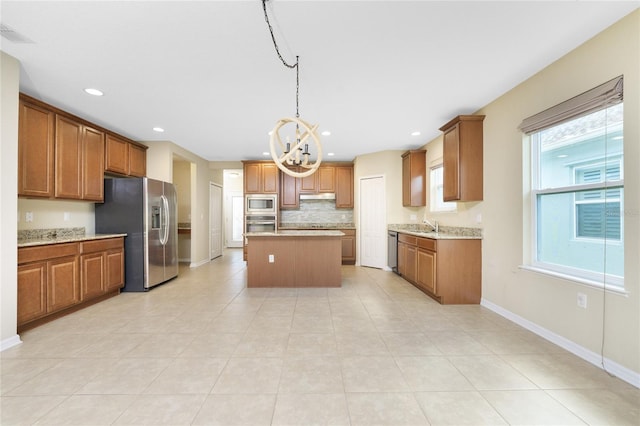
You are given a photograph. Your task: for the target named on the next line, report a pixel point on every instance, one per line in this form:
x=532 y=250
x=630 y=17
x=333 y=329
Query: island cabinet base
x=294 y=261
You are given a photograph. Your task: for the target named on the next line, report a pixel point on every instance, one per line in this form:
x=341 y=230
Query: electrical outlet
x=271 y=258
x=582 y=300
x=28 y=217
x=66 y=216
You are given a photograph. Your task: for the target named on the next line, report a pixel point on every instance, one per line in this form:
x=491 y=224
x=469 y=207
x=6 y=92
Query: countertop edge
x=437 y=235
x=297 y=233
x=51 y=241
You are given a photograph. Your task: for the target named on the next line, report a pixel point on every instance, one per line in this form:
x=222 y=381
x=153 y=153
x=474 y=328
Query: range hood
x=321 y=196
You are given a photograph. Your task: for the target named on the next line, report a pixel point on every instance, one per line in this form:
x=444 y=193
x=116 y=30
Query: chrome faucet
x=433 y=225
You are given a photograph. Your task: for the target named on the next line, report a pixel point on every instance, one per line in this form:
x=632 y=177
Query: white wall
x=9 y=89
x=542 y=300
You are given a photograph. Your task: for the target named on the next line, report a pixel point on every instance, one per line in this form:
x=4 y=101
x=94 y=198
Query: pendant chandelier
x=288 y=155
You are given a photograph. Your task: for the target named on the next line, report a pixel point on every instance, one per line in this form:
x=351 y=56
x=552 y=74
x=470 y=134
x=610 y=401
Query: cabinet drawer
x=46 y=252
x=427 y=243
x=408 y=239
x=101 y=245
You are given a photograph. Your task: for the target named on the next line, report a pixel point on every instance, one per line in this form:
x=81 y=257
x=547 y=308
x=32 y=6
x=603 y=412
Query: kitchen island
x=304 y=258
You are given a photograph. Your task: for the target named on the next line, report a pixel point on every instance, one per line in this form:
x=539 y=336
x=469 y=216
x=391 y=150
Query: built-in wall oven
x=260 y=223
x=261 y=204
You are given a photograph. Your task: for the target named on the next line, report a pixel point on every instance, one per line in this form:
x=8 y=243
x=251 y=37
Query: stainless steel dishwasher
x=392 y=250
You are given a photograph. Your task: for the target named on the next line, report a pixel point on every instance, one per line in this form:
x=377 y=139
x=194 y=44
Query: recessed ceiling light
x=330 y=154
x=158 y=129
x=326 y=133
x=270 y=132
x=265 y=153
x=416 y=133
x=94 y=92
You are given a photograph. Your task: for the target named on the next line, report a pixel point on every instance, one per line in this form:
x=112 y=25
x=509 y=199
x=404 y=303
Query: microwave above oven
x=261 y=203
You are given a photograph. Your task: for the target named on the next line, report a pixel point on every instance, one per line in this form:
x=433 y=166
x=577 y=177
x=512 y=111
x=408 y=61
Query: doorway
x=373 y=222
x=233 y=207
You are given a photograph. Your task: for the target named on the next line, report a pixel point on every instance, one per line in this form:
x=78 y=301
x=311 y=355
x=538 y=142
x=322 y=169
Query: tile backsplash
x=317 y=211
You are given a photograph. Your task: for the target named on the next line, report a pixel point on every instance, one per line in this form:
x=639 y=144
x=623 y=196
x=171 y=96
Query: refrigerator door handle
x=165 y=220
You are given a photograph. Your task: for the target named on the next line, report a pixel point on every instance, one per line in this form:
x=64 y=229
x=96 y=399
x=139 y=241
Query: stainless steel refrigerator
x=146 y=209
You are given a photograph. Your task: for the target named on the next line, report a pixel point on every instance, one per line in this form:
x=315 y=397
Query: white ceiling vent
x=12 y=35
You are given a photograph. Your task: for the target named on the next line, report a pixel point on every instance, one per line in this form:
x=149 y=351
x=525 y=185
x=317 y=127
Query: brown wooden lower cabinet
x=56 y=279
x=348 y=246
x=449 y=270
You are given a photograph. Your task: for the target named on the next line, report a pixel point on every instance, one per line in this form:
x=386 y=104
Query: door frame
x=220 y=215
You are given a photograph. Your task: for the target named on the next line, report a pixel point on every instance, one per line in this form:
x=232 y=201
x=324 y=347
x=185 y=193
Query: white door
x=373 y=222
x=215 y=220
x=234 y=216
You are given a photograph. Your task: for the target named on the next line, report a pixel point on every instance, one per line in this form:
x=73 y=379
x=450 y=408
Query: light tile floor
x=205 y=350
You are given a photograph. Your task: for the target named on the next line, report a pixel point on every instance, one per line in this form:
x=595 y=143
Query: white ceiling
x=371 y=72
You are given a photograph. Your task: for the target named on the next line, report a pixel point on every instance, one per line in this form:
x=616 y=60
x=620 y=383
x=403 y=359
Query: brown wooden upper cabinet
x=124 y=157
x=260 y=177
x=79 y=164
x=414 y=178
x=462 y=158
x=329 y=178
x=344 y=187
x=35 y=150
x=63 y=156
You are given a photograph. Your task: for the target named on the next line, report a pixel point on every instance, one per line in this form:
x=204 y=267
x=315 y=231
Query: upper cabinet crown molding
x=462 y=158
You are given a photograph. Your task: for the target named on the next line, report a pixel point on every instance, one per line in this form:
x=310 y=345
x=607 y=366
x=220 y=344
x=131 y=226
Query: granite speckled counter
x=316 y=225
x=445 y=232
x=39 y=237
x=297 y=233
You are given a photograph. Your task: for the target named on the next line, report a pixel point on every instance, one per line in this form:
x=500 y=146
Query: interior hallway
x=204 y=350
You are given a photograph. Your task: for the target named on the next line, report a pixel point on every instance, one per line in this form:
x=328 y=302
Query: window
x=437 y=191
x=598 y=211
x=577 y=196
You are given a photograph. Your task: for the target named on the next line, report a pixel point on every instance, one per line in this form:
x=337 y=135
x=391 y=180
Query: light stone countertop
x=439 y=235
x=65 y=239
x=297 y=233
x=446 y=232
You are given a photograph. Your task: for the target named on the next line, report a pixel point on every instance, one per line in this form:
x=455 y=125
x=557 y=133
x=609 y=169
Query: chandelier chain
x=275 y=45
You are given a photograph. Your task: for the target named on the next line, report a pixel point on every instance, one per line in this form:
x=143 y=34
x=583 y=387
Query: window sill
x=578 y=280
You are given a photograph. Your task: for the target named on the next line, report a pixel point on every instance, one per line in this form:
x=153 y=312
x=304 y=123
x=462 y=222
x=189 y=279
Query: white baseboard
x=196 y=264
x=10 y=342
x=620 y=371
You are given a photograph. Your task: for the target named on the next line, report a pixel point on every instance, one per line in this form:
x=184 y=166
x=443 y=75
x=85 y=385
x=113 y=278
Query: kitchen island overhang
x=305 y=258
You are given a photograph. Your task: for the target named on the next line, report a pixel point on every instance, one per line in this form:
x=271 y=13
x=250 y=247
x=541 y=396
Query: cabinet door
x=137 y=160
x=32 y=292
x=35 y=151
x=92 y=164
x=252 y=178
x=406 y=180
x=63 y=286
x=308 y=184
x=411 y=264
x=414 y=178
x=348 y=247
x=269 y=178
x=326 y=179
x=402 y=258
x=68 y=154
x=451 y=164
x=93 y=275
x=427 y=270
x=344 y=187
x=116 y=155
x=114 y=269
x=289 y=198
